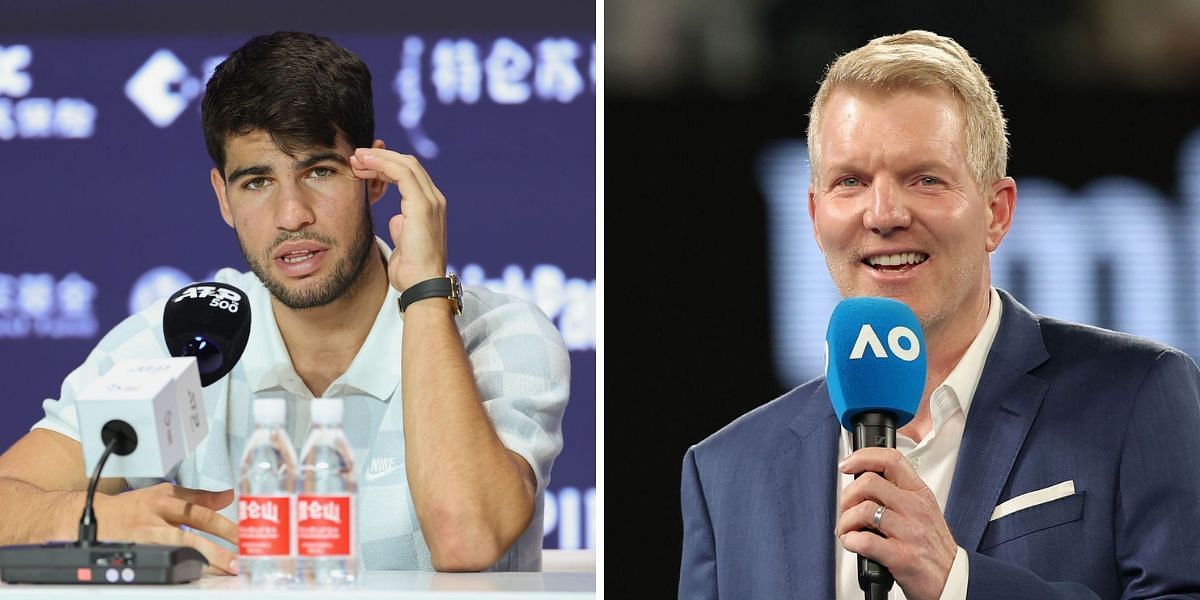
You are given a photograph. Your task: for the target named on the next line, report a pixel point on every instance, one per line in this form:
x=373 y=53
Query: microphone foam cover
x=874 y=359
x=210 y=321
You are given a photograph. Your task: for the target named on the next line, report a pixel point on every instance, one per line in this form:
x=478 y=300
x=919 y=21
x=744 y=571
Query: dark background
x=694 y=93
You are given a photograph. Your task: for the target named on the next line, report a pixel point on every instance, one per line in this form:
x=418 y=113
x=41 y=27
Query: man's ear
x=218 y=185
x=1001 y=205
x=812 y=210
x=376 y=187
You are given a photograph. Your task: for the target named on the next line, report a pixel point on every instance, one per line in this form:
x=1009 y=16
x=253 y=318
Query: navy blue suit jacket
x=1118 y=415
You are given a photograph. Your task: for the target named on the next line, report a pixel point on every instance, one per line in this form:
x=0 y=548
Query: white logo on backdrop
x=35 y=118
x=570 y=514
x=163 y=86
x=465 y=71
x=157 y=283
x=1060 y=242
x=37 y=305
x=14 y=81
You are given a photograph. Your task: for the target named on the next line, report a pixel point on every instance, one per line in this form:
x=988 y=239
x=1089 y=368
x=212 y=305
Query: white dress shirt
x=934 y=458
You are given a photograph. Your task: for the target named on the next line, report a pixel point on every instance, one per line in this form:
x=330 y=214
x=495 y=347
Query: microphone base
x=115 y=563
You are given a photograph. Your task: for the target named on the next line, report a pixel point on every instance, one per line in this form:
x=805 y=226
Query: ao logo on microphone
x=868 y=339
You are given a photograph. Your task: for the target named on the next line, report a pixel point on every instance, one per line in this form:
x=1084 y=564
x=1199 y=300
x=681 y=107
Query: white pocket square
x=1042 y=496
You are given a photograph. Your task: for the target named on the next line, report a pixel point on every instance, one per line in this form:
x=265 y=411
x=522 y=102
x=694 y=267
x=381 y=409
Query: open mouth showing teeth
x=296 y=257
x=896 y=262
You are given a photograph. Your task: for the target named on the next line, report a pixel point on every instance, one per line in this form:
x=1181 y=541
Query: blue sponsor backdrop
x=107 y=204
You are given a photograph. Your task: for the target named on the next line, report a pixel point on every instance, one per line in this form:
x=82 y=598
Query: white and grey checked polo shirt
x=521 y=368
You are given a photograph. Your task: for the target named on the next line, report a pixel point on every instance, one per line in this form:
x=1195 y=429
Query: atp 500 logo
x=218 y=297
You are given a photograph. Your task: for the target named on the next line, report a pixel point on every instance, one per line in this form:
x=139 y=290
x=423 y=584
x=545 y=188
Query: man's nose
x=888 y=211
x=294 y=211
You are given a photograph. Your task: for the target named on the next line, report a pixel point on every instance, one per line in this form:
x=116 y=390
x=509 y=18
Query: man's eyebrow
x=929 y=165
x=320 y=158
x=247 y=171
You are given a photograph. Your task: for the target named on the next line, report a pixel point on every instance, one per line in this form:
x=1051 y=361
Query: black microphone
x=875 y=374
x=210 y=321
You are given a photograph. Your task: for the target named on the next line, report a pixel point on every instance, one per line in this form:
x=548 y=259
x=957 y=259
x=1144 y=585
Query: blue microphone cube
x=874 y=359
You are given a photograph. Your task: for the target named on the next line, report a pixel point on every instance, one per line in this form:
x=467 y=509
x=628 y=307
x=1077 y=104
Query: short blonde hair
x=921 y=59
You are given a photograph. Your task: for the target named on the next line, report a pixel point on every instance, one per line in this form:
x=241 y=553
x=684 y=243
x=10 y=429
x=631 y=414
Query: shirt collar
x=374 y=371
x=958 y=390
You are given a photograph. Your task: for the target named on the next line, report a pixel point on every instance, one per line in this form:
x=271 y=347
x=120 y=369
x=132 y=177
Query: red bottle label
x=323 y=525
x=265 y=525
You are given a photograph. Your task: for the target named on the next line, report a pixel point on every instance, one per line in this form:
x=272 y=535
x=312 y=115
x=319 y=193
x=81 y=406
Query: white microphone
x=157 y=402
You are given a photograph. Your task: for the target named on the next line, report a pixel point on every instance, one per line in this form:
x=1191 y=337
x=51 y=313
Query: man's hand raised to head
x=153 y=515
x=419 y=231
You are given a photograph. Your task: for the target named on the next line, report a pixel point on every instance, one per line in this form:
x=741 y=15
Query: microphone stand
x=88 y=560
x=87 y=522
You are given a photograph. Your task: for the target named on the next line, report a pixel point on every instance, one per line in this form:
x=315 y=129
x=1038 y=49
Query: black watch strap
x=438 y=287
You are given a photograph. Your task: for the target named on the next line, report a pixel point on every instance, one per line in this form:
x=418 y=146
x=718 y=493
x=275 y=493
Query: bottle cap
x=270 y=411
x=327 y=411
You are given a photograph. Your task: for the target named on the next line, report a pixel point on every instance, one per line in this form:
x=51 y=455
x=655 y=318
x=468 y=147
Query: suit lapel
x=805 y=477
x=1006 y=402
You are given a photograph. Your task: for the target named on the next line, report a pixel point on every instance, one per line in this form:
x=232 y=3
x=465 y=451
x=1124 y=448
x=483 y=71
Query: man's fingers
x=212 y=500
x=871 y=487
x=879 y=549
x=861 y=517
x=220 y=560
x=441 y=198
x=887 y=461
x=379 y=156
x=395 y=226
x=197 y=509
x=200 y=517
x=405 y=171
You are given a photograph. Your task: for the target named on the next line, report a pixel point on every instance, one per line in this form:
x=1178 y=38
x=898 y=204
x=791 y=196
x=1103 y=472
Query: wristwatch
x=438 y=287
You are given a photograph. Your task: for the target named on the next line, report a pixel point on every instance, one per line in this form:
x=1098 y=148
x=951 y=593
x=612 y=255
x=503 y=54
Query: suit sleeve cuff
x=956 y=581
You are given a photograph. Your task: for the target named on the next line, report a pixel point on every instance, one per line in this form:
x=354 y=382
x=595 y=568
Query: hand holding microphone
x=876 y=375
x=913 y=541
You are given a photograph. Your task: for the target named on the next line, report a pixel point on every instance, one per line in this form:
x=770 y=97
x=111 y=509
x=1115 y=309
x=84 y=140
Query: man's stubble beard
x=931 y=318
x=348 y=274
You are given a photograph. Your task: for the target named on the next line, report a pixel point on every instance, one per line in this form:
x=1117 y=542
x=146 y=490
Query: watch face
x=456 y=289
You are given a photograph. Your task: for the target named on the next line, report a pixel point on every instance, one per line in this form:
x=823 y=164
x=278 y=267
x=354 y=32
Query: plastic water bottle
x=266 y=498
x=326 y=500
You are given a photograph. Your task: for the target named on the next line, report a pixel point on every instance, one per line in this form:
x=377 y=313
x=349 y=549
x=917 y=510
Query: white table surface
x=406 y=585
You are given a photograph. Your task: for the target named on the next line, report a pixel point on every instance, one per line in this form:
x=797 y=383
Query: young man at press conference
x=470 y=404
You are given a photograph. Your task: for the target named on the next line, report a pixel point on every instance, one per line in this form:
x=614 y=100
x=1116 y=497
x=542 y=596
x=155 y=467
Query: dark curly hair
x=300 y=88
